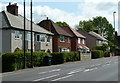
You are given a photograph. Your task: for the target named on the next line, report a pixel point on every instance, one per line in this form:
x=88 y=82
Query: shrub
x=38 y=58
x=62 y=57
x=97 y=54
x=14 y=61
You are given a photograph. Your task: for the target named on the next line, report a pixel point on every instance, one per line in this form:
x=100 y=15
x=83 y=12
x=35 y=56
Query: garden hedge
x=97 y=54
x=15 y=61
x=62 y=57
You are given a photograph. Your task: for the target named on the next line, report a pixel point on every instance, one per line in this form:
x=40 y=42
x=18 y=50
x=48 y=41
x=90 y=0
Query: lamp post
x=114 y=18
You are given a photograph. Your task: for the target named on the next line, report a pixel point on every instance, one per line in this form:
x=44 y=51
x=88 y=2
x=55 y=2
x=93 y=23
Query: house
x=61 y=39
x=93 y=39
x=12 y=30
x=78 y=41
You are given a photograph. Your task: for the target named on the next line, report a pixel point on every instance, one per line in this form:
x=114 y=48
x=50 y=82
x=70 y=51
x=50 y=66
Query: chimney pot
x=13 y=8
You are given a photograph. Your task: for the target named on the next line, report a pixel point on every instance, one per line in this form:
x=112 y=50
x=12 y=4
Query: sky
x=70 y=11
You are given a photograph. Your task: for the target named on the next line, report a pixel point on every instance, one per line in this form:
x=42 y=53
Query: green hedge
x=15 y=61
x=97 y=54
x=62 y=57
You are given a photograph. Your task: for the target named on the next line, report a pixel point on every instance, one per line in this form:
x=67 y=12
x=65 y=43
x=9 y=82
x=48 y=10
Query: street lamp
x=114 y=18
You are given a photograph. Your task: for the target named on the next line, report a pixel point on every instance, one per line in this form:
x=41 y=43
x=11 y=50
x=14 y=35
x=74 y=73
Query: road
x=103 y=69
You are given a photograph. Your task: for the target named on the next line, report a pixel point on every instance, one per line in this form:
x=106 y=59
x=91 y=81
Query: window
x=61 y=38
x=42 y=38
x=83 y=41
x=68 y=39
x=17 y=34
x=79 y=40
x=28 y=36
x=48 y=38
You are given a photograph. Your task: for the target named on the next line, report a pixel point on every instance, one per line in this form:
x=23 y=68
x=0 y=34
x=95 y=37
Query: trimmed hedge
x=15 y=61
x=97 y=54
x=62 y=57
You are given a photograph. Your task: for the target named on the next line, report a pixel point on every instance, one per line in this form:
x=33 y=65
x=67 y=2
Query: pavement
x=96 y=70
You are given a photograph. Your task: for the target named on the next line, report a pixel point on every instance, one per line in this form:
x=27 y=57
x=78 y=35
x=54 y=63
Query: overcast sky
x=70 y=11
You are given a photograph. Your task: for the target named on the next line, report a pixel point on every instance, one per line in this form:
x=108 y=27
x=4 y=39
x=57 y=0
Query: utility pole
x=24 y=38
x=31 y=38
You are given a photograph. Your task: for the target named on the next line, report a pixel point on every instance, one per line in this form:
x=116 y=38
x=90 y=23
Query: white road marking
x=105 y=65
x=72 y=72
x=42 y=72
x=75 y=71
x=62 y=78
x=55 y=70
x=87 y=70
x=46 y=77
x=50 y=71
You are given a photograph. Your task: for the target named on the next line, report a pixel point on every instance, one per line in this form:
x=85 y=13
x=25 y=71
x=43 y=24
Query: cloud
x=95 y=8
x=86 y=10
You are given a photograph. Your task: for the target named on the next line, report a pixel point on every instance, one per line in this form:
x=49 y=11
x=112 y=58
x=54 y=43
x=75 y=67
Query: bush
x=38 y=58
x=97 y=54
x=12 y=61
x=62 y=57
x=107 y=54
x=15 y=61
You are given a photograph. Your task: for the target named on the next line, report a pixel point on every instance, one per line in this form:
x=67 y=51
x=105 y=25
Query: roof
x=97 y=36
x=73 y=32
x=12 y=21
x=59 y=30
x=77 y=34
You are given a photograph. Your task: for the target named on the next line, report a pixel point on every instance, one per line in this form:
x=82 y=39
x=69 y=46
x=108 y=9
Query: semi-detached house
x=78 y=41
x=12 y=30
x=93 y=39
x=61 y=39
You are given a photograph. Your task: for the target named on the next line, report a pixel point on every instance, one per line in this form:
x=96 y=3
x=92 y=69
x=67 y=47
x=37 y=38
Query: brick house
x=78 y=41
x=12 y=32
x=61 y=39
x=93 y=39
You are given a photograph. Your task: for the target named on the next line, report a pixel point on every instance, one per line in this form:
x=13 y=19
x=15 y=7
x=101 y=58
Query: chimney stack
x=13 y=9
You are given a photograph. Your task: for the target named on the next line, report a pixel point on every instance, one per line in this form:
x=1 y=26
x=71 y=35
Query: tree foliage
x=100 y=24
x=62 y=23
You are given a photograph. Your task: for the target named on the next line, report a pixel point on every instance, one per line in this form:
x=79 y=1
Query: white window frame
x=68 y=39
x=63 y=38
x=79 y=40
x=83 y=41
x=17 y=34
x=42 y=35
x=48 y=37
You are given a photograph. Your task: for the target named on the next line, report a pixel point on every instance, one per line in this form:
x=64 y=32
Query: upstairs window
x=28 y=36
x=48 y=38
x=17 y=34
x=79 y=40
x=68 y=39
x=83 y=41
x=42 y=38
x=62 y=38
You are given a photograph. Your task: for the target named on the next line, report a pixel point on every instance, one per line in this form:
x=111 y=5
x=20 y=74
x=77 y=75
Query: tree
x=100 y=24
x=62 y=24
x=86 y=26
